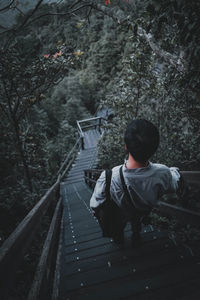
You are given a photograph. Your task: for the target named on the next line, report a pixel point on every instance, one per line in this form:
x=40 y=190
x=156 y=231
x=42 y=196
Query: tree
x=151 y=85
x=23 y=84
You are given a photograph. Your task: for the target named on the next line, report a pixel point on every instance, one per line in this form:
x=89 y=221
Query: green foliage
x=146 y=87
x=101 y=62
x=38 y=123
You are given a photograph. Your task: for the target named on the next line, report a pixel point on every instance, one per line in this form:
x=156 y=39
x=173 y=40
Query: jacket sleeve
x=175 y=177
x=99 y=194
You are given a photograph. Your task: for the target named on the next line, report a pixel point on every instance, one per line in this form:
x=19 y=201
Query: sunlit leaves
x=79 y=25
x=78 y=53
x=56 y=55
x=109 y=2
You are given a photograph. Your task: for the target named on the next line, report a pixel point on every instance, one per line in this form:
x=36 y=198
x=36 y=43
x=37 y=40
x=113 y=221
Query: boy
x=144 y=182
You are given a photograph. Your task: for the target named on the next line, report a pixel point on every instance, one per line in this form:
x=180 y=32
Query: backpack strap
x=135 y=195
x=123 y=183
x=108 y=182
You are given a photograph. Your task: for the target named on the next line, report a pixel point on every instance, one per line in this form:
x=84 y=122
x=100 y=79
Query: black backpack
x=108 y=213
x=110 y=216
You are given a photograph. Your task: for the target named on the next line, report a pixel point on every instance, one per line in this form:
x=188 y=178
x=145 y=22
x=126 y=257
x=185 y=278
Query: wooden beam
x=191 y=177
x=183 y=215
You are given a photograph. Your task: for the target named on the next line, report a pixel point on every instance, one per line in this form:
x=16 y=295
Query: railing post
x=82 y=142
x=100 y=125
x=90 y=177
x=86 y=175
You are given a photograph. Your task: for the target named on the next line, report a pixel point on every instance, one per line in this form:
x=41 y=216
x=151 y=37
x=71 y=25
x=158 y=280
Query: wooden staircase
x=91 y=267
x=83 y=265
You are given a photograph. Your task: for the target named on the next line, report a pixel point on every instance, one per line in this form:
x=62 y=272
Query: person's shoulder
x=115 y=170
x=160 y=168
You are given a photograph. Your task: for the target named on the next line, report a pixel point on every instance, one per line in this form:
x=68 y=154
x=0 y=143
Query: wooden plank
x=87 y=230
x=186 y=290
x=41 y=287
x=69 y=182
x=121 y=256
x=75 y=172
x=84 y=159
x=82 y=239
x=133 y=285
x=86 y=244
x=142 y=267
x=110 y=248
x=75 y=178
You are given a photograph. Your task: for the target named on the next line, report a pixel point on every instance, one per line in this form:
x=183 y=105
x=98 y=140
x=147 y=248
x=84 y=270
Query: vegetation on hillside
x=140 y=58
x=60 y=62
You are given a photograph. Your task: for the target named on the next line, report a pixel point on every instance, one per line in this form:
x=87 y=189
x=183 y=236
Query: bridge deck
x=92 y=267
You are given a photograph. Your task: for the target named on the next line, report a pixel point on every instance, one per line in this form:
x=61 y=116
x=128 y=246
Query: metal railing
x=91 y=176
x=183 y=215
x=90 y=123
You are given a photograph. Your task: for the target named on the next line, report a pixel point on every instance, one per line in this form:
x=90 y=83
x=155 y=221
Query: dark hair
x=141 y=139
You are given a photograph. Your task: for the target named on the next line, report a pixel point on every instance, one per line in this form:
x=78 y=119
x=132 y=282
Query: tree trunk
x=22 y=155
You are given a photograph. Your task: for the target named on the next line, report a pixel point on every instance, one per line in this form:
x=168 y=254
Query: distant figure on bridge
x=138 y=184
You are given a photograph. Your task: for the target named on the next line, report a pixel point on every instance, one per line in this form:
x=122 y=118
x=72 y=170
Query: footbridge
x=78 y=263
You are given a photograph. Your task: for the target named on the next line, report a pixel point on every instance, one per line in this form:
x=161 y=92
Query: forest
x=62 y=61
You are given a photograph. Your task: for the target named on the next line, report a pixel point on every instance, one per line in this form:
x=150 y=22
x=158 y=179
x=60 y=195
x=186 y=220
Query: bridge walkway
x=91 y=267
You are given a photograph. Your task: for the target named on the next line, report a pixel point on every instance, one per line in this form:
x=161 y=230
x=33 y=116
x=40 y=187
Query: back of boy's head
x=141 y=139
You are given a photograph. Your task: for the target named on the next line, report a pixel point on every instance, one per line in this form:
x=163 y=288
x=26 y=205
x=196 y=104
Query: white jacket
x=150 y=183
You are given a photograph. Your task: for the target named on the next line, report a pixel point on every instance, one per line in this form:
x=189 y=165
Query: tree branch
x=16 y=106
x=108 y=12
x=174 y=60
x=60 y=14
x=8 y=6
x=8 y=98
x=31 y=14
x=4 y=111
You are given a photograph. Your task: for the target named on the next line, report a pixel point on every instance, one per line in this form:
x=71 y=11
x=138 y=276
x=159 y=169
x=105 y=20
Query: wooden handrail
x=68 y=157
x=80 y=128
x=41 y=287
x=89 y=120
x=184 y=216
x=16 y=245
x=192 y=177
